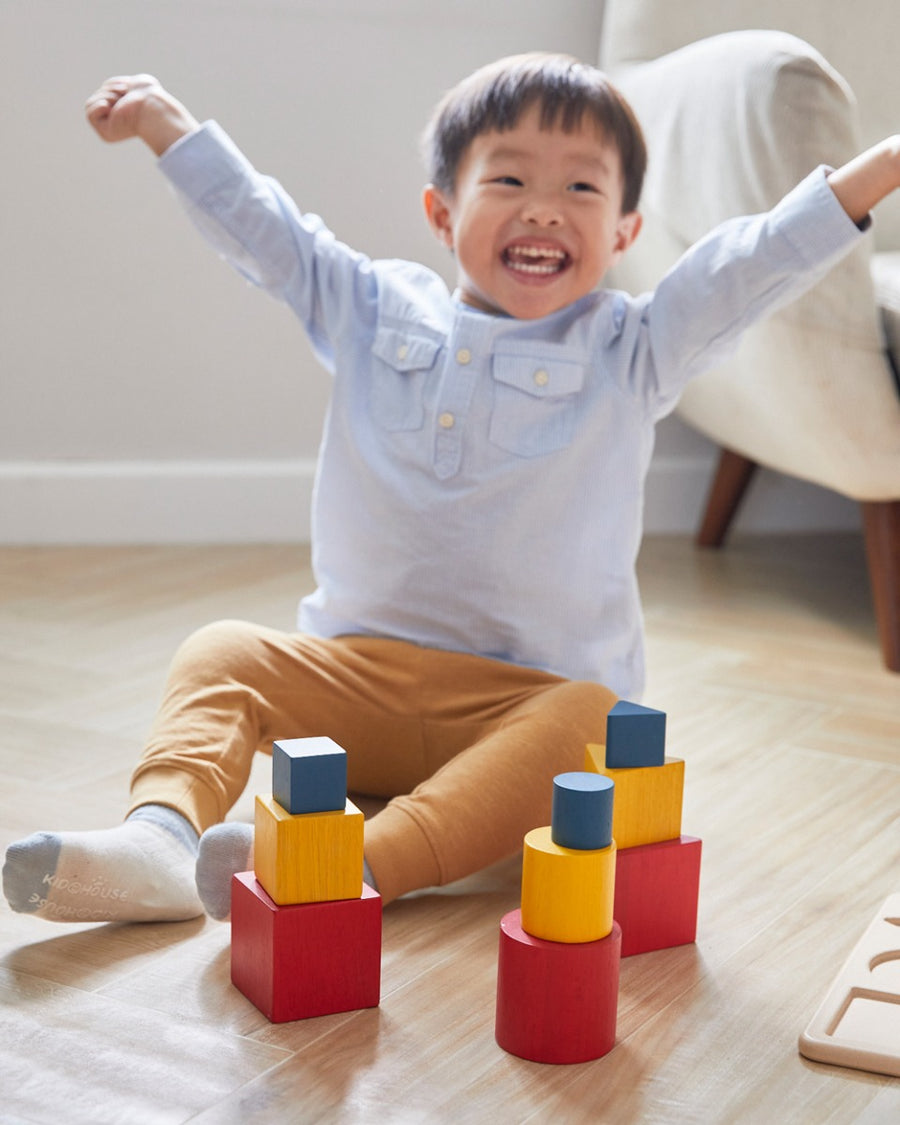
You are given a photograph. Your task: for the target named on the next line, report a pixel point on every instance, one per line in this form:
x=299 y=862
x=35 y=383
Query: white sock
x=225 y=849
x=139 y=871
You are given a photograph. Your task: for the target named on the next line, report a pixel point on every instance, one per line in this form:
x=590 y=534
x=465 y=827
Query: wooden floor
x=764 y=658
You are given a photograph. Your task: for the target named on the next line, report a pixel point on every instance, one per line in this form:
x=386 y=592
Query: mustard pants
x=465 y=748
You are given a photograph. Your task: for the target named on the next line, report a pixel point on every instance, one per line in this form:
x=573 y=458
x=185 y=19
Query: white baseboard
x=124 y=502
x=677 y=488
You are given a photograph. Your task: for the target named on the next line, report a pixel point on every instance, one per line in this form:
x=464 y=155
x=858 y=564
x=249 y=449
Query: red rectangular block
x=657 y=894
x=310 y=959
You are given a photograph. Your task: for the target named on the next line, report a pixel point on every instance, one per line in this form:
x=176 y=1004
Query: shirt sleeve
x=253 y=223
x=742 y=271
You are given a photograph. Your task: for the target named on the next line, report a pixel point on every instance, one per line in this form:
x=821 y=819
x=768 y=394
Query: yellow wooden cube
x=648 y=799
x=567 y=894
x=310 y=857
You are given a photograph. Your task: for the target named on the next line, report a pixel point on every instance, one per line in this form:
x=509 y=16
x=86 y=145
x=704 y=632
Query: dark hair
x=494 y=98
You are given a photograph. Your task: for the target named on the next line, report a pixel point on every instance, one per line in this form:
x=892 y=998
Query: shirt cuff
x=814 y=222
x=202 y=160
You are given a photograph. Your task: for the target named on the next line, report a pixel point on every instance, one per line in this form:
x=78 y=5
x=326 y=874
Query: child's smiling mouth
x=535 y=261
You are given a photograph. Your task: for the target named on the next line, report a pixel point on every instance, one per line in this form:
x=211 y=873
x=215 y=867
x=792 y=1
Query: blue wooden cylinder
x=582 y=811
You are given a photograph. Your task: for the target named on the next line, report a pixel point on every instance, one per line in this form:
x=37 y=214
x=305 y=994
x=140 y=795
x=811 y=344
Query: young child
x=477 y=509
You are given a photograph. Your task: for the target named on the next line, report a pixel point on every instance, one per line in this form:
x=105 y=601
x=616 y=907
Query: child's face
x=536 y=218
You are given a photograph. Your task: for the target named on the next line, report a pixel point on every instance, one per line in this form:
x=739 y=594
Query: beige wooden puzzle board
x=858 y=1022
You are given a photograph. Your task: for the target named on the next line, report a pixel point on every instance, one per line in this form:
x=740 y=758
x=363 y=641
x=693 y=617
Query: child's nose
x=542 y=212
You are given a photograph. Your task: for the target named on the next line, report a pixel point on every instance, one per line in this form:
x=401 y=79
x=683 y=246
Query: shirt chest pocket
x=400 y=365
x=535 y=404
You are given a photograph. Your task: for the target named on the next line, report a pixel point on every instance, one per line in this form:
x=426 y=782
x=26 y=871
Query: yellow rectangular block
x=310 y=857
x=647 y=800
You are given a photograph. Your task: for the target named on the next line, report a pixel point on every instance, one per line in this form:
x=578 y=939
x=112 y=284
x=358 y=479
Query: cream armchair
x=734 y=118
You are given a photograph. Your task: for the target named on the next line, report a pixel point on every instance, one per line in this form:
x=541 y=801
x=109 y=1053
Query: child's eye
x=582 y=185
x=511 y=181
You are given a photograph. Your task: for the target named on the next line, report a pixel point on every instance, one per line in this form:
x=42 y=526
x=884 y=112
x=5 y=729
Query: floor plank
x=764 y=657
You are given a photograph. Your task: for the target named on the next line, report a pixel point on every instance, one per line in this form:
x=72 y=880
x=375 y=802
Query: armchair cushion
x=861 y=46
x=733 y=122
x=886 y=275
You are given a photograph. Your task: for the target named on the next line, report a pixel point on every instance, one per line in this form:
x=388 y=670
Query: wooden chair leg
x=882 y=528
x=733 y=475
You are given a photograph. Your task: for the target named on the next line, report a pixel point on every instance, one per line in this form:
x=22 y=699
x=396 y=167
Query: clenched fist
x=138 y=106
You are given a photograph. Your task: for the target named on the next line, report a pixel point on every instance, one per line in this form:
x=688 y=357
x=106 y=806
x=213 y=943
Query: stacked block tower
x=558 y=971
x=611 y=876
x=657 y=868
x=305 y=928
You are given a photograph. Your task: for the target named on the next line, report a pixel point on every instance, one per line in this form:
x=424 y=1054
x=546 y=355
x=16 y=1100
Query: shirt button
x=541 y=378
x=463 y=356
x=446 y=421
x=403 y=351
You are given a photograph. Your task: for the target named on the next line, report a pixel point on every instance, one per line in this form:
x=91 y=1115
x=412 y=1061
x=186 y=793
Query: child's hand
x=138 y=106
x=115 y=109
x=868 y=179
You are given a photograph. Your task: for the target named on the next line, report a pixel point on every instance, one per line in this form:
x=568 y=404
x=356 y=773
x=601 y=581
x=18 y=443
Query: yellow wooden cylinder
x=567 y=895
x=648 y=802
x=309 y=857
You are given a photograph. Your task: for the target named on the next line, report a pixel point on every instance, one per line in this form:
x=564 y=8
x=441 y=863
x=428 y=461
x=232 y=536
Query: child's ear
x=437 y=211
x=627 y=230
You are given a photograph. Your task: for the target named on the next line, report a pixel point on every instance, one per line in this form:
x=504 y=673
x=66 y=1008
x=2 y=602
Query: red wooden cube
x=309 y=959
x=657 y=893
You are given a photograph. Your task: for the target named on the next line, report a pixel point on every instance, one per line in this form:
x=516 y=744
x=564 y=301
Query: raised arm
x=868 y=178
x=138 y=106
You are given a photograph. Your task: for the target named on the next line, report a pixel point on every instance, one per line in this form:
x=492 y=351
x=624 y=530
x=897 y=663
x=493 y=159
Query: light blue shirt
x=480 y=481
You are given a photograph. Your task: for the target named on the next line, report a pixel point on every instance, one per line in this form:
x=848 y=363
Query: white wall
x=145 y=392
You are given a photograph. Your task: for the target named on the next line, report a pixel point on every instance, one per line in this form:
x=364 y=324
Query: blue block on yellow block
x=582 y=811
x=635 y=736
x=309 y=775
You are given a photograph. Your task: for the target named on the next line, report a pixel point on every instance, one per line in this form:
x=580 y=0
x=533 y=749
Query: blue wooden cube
x=309 y=775
x=635 y=737
x=582 y=811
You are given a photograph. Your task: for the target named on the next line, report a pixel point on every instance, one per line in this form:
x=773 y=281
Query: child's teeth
x=541 y=261
x=525 y=268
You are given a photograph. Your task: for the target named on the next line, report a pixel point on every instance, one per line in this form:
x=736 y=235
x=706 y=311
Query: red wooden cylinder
x=556 y=1001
